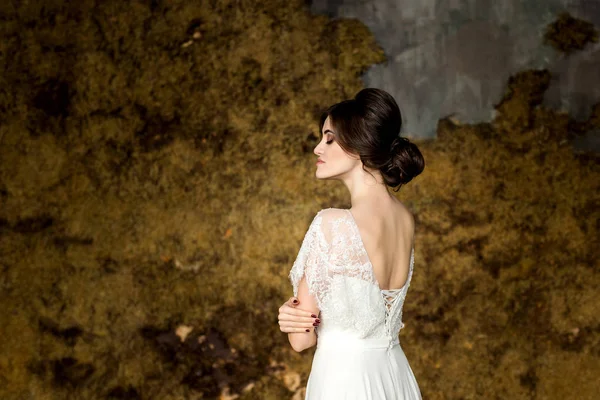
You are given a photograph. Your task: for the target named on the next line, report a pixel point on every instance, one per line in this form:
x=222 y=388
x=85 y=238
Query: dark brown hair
x=369 y=125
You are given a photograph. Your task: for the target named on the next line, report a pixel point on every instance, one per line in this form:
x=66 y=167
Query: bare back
x=387 y=234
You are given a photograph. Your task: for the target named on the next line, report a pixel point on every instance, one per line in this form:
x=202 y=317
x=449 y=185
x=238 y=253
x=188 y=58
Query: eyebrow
x=328 y=130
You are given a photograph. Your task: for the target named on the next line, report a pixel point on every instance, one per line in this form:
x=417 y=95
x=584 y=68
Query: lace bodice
x=340 y=275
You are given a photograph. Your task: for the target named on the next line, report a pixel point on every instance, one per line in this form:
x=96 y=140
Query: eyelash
x=327 y=141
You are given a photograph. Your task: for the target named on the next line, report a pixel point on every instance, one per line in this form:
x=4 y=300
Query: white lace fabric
x=339 y=274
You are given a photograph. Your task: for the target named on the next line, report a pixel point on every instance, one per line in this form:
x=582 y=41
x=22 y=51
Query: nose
x=318 y=149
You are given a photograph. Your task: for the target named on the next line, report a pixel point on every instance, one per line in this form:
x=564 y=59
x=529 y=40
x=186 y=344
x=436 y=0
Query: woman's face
x=336 y=162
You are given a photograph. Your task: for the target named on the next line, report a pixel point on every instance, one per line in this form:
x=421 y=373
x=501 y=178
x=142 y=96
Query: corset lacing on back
x=389 y=297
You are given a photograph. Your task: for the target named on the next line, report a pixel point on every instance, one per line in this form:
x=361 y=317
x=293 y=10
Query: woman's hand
x=295 y=320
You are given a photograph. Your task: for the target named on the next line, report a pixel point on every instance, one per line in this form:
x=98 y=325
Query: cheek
x=337 y=151
x=340 y=157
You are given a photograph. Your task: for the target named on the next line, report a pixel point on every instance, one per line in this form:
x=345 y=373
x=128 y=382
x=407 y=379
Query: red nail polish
x=295 y=301
x=308 y=330
x=315 y=324
x=318 y=321
x=313 y=315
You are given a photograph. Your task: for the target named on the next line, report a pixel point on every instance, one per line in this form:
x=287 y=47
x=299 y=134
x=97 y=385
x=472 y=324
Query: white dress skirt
x=345 y=368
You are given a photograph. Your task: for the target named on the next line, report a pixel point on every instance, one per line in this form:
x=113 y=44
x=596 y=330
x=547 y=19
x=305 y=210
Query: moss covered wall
x=157 y=177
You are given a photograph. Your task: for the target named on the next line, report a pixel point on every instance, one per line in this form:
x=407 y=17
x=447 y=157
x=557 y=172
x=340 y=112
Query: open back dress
x=358 y=355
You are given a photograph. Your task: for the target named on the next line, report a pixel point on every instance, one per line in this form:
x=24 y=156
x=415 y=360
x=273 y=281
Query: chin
x=320 y=175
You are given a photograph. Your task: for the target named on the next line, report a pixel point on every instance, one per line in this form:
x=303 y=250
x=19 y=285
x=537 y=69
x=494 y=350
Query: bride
x=354 y=266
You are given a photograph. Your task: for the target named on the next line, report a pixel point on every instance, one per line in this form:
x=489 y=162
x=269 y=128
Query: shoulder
x=330 y=213
x=328 y=216
x=408 y=219
x=328 y=220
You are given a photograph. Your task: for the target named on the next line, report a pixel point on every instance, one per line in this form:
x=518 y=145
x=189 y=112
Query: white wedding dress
x=358 y=353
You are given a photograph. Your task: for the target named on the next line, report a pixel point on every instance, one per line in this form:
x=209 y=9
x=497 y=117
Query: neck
x=370 y=193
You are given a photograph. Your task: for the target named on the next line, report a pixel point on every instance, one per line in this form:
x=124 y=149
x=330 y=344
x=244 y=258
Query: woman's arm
x=309 y=275
x=299 y=324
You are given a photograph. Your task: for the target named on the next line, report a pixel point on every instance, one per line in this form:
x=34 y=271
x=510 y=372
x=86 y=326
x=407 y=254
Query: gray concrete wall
x=453 y=57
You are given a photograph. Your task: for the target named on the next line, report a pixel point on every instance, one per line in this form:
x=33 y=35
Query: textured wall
x=453 y=57
x=157 y=178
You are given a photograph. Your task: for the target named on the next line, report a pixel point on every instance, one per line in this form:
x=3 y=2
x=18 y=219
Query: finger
x=296 y=330
x=290 y=309
x=293 y=301
x=297 y=324
x=297 y=311
x=295 y=318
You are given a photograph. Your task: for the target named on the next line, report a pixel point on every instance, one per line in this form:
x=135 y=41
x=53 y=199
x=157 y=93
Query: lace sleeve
x=311 y=261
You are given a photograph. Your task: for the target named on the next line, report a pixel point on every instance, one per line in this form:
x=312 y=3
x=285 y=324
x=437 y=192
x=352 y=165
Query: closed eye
x=330 y=133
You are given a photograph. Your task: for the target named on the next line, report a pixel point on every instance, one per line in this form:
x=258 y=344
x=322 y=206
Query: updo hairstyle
x=369 y=126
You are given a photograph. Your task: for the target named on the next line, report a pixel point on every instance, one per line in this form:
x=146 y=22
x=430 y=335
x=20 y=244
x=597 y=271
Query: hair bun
x=406 y=161
x=397 y=144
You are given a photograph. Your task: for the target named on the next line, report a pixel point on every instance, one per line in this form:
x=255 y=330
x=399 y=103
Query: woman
x=354 y=266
